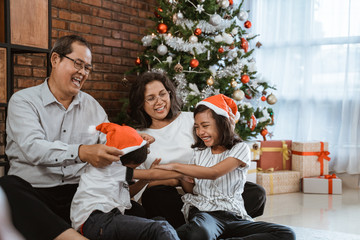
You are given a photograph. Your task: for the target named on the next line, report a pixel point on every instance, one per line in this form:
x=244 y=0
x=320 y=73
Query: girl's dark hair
x=137 y=156
x=63 y=46
x=228 y=138
x=136 y=98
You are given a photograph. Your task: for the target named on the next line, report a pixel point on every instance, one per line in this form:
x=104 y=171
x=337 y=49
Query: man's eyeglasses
x=164 y=95
x=79 y=64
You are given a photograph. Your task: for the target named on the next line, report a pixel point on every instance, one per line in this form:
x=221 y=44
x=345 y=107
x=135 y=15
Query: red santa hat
x=221 y=105
x=124 y=138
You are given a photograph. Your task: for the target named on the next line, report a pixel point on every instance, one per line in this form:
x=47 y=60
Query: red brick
x=101 y=31
x=101 y=49
x=25 y=82
x=130 y=45
x=92 y=39
x=64 y=4
x=80 y=8
x=100 y=67
x=112 y=24
x=40 y=72
x=112 y=42
x=58 y=24
x=130 y=28
x=71 y=16
x=97 y=58
x=113 y=6
x=93 y=2
x=78 y=27
x=22 y=71
x=92 y=20
x=101 y=13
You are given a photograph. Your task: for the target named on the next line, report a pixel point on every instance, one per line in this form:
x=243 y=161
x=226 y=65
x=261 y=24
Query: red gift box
x=275 y=154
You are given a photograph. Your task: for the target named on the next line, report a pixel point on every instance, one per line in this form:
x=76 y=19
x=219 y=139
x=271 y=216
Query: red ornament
x=247 y=96
x=197 y=31
x=156 y=13
x=162 y=28
x=231 y=2
x=244 y=44
x=194 y=63
x=137 y=61
x=252 y=123
x=247 y=24
x=264 y=132
x=232 y=46
x=263 y=98
x=221 y=50
x=245 y=78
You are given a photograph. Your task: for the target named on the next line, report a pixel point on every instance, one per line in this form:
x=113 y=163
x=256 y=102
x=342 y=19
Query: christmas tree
x=206 y=48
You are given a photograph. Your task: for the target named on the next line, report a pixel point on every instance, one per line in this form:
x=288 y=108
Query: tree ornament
x=221 y=50
x=224 y=4
x=162 y=28
x=194 y=63
x=243 y=15
x=193 y=39
x=215 y=19
x=124 y=81
x=238 y=95
x=197 y=31
x=232 y=54
x=252 y=123
x=244 y=45
x=137 y=61
x=258 y=44
x=264 y=132
x=233 y=83
x=232 y=46
x=180 y=15
x=210 y=81
x=231 y=2
x=156 y=13
x=162 y=49
x=245 y=78
x=201 y=1
x=263 y=98
x=178 y=68
x=271 y=99
x=247 y=24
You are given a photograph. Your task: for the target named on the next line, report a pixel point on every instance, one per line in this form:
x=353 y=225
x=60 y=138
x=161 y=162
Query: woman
x=156 y=108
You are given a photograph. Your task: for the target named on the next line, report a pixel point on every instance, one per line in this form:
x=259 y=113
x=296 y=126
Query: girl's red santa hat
x=124 y=138
x=221 y=105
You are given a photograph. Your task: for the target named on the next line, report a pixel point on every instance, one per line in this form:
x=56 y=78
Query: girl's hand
x=168 y=166
x=155 y=163
x=147 y=137
x=187 y=179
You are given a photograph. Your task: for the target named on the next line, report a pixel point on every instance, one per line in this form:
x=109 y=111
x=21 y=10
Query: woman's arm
x=155 y=174
x=214 y=172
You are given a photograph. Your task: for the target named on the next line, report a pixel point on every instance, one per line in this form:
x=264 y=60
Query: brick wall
x=111 y=26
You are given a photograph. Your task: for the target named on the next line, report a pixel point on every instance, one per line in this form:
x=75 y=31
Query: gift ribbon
x=256 y=152
x=283 y=149
x=321 y=156
x=330 y=182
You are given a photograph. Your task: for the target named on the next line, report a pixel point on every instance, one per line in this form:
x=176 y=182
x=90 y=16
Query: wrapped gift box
x=251 y=173
x=328 y=184
x=279 y=181
x=310 y=158
x=255 y=149
x=275 y=154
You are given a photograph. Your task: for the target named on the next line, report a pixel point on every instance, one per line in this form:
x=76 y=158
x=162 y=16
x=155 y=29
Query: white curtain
x=311 y=52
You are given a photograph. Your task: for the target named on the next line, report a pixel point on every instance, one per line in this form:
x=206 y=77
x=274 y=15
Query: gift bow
x=269 y=170
x=284 y=149
x=330 y=182
x=321 y=156
x=328 y=176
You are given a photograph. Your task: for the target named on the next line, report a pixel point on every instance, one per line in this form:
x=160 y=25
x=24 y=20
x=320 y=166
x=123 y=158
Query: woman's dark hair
x=228 y=138
x=63 y=46
x=137 y=156
x=137 y=100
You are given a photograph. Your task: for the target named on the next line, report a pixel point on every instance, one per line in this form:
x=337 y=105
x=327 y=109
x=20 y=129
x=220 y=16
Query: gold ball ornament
x=233 y=83
x=124 y=81
x=210 y=81
x=178 y=68
x=271 y=99
x=238 y=95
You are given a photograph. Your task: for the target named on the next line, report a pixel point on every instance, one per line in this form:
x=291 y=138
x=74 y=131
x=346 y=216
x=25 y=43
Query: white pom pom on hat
x=221 y=105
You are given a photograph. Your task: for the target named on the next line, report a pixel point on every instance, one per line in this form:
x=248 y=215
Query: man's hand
x=99 y=155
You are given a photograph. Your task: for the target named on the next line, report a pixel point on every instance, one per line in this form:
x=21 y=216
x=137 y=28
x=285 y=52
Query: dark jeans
x=166 y=202
x=115 y=226
x=30 y=212
x=226 y=225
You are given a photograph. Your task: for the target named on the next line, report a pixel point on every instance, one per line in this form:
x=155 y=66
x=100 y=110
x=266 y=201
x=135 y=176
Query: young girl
x=213 y=206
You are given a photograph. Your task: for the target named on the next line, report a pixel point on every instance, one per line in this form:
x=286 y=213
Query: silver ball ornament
x=215 y=19
x=271 y=99
x=162 y=50
x=243 y=15
x=180 y=15
x=224 y=3
x=193 y=39
x=238 y=95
